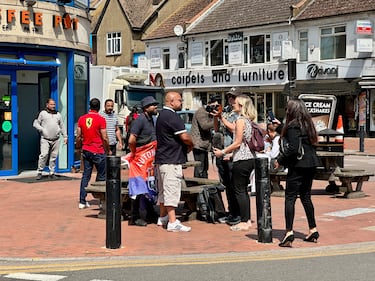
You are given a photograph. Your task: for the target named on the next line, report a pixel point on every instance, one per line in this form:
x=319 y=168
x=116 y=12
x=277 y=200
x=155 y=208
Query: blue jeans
x=89 y=161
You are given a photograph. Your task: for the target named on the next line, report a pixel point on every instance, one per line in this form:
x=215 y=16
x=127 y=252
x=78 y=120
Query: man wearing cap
x=113 y=130
x=225 y=123
x=201 y=126
x=142 y=145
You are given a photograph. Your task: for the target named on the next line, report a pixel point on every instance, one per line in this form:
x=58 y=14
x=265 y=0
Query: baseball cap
x=148 y=101
x=234 y=92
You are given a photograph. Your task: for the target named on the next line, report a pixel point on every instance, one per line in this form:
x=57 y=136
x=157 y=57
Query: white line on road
x=350 y=212
x=35 y=277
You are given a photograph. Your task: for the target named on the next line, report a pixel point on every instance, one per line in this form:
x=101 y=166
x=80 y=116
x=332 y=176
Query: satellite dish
x=178 y=30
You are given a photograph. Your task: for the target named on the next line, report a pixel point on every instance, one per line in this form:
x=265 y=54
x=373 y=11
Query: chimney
x=155 y=2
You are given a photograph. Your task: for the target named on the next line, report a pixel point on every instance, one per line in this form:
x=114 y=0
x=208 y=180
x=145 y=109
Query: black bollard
x=113 y=202
x=361 y=138
x=263 y=200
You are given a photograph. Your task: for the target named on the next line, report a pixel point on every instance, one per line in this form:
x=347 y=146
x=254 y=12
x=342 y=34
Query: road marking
x=34 y=277
x=350 y=212
x=201 y=259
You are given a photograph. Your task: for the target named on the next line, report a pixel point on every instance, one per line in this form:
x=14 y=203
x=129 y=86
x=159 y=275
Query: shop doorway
x=32 y=98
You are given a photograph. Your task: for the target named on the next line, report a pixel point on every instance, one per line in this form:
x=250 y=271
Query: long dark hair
x=298 y=115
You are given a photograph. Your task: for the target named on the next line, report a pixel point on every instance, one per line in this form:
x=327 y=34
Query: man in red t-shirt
x=92 y=133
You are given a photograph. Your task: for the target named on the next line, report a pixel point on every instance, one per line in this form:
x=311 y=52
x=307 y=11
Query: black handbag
x=284 y=148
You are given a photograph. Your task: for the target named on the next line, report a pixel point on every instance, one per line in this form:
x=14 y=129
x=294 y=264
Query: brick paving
x=42 y=220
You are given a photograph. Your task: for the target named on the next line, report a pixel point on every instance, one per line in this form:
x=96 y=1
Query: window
x=166 y=58
x=245 y=50
x=181 y=57
x=216 y=52
x=113 y=43
x=303 y=46
x=332 y=43
x=260 y=46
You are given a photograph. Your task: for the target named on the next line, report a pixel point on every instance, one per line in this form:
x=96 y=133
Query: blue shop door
x=8 y=124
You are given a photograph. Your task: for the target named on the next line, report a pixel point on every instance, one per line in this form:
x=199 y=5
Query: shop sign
x=322 y=109
x=363 y=27
x=241 y=76
x=26 y=17
x=319 y=71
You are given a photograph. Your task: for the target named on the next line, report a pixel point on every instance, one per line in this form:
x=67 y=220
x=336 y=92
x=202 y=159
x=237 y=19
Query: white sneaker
x=163 y=221
x=83 y=206
x=177 y=226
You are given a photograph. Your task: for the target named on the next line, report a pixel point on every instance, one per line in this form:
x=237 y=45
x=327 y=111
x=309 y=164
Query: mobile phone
x=271 y=116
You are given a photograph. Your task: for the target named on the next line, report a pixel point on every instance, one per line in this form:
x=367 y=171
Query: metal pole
x=263 y=200
x=361 y=138
x=113 y=202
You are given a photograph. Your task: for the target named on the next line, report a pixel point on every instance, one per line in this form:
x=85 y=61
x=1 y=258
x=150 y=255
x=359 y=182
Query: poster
x=322 y=109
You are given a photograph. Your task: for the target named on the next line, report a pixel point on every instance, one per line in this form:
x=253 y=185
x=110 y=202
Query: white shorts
x=169 y=177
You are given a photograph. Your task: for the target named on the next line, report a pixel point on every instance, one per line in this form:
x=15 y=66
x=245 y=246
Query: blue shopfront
x=51 y=62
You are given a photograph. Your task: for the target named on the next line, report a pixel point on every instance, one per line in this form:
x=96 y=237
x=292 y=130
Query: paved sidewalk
x=42 y=220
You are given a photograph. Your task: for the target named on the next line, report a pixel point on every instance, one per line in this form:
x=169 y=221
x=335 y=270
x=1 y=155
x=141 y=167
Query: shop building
x=44 y=52
x=272 y=51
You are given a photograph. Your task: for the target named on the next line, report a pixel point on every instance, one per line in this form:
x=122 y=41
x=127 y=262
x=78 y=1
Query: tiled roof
x=181 y=16
x=235 y=14
x=327 y=8
x=138 y=12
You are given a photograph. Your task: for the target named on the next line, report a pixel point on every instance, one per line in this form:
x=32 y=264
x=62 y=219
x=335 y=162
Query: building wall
x=42 y=25
x=114 y=20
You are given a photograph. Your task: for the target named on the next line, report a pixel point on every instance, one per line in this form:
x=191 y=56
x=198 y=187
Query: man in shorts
x=173 y=144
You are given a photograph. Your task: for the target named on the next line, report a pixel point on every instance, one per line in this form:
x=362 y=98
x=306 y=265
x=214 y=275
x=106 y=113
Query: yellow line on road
x=77 y=265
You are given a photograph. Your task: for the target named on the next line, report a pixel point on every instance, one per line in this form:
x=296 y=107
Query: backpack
x=256 y=143
x=210 y=204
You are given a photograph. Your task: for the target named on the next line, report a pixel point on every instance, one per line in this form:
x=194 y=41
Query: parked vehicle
x=187 y=116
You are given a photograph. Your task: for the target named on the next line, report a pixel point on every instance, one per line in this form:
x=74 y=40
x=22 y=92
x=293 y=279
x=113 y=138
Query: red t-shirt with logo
x=91 y=124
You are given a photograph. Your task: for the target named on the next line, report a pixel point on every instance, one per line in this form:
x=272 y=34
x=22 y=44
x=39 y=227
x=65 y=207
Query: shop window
x=333 y=43
x=166 y=58
x=260 y=48
x=303 y=46
x=217 y=52
x=113 y=43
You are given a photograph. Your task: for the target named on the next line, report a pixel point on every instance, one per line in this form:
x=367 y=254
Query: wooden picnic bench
x=190 y=187
x=345 y=176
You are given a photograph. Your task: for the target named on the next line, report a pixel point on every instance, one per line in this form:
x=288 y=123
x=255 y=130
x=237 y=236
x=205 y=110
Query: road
x=349 y=262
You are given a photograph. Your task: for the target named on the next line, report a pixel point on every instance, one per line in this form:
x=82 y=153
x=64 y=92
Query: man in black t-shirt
x=173 y=144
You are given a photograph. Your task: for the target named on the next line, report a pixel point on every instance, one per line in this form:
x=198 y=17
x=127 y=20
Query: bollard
x=361 y=138
x=113 y=202
x=263 y=200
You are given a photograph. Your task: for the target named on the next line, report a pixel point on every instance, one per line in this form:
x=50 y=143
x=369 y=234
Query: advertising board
x=322 y=109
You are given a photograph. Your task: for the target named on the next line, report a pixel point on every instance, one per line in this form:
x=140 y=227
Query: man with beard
x=142 y=145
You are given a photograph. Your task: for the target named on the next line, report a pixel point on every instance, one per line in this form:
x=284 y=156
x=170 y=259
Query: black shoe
x=53 y=177
x=287 y=241
x=313 y=237
x=39 y=177
x=233 y=220
x=140 y=222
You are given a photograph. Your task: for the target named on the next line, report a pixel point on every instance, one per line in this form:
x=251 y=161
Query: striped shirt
x=112 y=122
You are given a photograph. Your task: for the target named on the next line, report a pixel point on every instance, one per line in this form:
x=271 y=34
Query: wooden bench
x=190 y=188
x=345 y=176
